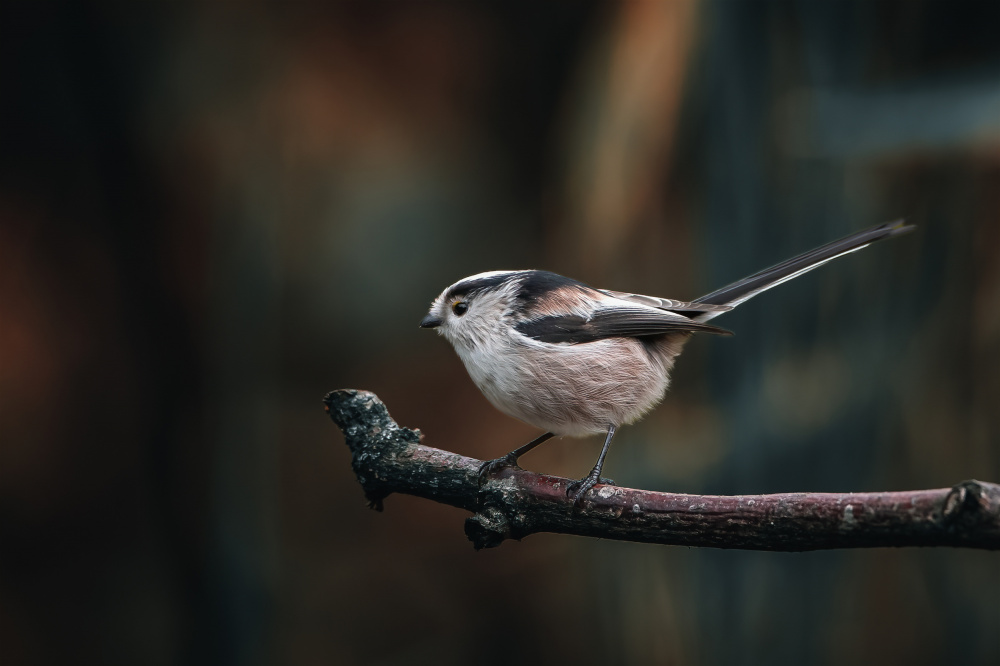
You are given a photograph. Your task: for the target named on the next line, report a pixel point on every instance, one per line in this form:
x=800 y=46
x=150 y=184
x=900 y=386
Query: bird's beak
x=430 y=321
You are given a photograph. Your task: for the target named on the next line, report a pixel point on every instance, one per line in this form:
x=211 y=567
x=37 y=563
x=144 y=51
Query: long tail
x=741 y=290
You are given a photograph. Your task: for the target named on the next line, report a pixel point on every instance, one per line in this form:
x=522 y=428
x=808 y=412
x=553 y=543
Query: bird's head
x=474 y=307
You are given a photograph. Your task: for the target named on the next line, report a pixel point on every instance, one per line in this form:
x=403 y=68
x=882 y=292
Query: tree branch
x=390 y=459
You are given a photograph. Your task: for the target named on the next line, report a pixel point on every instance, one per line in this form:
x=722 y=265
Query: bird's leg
x=581 y=487
x=491 y=467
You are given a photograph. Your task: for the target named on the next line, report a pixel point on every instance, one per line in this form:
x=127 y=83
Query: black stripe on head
x=466 y=287
x=532 y=285
x=535 y=284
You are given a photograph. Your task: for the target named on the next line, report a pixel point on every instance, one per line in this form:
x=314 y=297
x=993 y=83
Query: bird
x=575 y=360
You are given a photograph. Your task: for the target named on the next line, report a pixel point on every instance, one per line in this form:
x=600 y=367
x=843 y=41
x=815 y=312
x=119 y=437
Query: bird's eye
x=460 y=308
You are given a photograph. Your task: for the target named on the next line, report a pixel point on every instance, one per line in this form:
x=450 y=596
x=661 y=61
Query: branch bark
x=390 y=459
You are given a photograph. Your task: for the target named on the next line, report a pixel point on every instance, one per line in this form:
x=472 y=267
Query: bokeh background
x=211 y=213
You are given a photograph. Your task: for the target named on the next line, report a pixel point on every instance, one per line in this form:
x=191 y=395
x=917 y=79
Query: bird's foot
x=494 y=467
x=581 y=487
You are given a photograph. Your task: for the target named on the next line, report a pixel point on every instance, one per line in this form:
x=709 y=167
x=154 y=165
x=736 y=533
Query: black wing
x=615 y=322
x=666 y=303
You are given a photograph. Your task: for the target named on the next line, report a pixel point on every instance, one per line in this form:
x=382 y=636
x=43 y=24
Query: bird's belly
x=573 y=390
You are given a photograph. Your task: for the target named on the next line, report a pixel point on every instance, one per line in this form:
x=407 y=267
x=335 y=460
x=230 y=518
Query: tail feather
x=742 y=290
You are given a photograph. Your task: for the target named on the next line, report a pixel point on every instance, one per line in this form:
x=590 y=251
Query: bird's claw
x=583 y=486
x=495 y=466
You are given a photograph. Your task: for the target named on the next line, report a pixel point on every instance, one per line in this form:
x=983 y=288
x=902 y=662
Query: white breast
x=571 y=389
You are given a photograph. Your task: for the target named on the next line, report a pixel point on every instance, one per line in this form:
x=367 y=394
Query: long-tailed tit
x=574 y=360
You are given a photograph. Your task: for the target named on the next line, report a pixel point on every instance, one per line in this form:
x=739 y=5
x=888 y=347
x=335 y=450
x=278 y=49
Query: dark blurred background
x=212 y=213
